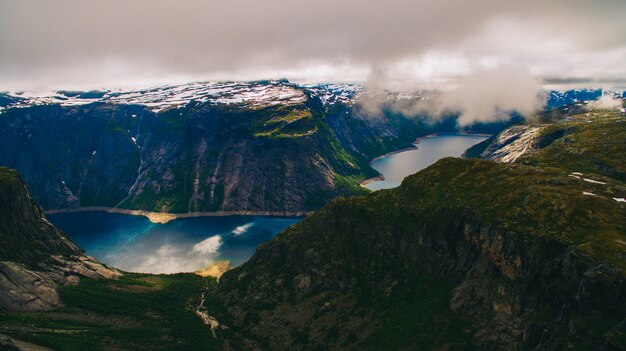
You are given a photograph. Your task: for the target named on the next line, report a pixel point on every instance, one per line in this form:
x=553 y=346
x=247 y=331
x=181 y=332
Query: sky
x=392 y=44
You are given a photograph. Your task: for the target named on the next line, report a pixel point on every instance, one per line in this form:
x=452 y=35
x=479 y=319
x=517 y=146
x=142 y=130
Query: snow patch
x=593 y=181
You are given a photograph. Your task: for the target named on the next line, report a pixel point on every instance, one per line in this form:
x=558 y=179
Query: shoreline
x=415 y=143
x=165 y=217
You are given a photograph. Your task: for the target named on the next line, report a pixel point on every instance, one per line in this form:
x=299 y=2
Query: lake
x=134 y=244
x=395 y=167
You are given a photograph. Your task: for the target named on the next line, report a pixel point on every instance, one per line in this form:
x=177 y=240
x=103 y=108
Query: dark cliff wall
x=200 y=157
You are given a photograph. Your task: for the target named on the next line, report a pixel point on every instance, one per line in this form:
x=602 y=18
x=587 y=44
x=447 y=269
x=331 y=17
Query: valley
x=275 y=175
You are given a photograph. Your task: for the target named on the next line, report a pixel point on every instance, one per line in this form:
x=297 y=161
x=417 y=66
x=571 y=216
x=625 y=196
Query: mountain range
x=268 y=147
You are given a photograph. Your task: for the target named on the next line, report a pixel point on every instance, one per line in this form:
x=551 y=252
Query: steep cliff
x=465 y=254
x=261 y=146
x=35 y=258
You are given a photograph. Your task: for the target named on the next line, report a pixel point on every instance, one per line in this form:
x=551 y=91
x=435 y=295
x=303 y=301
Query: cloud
x=208 y=246
x=491 y=95
x=242 y=228
x=485 y=95
x=606 y=102
x=168 y=258
x=410 y=43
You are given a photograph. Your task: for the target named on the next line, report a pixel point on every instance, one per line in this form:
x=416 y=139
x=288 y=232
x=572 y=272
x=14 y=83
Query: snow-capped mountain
x=241 y=94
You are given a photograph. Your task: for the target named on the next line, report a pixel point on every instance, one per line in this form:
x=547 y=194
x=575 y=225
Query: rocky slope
x=591 y=141
x=35 y=257
x=465 y=254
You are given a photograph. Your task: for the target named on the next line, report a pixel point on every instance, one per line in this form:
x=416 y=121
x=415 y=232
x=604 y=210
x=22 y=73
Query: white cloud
x=489 y=95
x=242 y=228
x=114 y=43
x=208 y=246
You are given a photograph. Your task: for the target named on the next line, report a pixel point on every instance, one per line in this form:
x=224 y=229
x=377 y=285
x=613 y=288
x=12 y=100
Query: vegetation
x=134 y=312
x=593 y=142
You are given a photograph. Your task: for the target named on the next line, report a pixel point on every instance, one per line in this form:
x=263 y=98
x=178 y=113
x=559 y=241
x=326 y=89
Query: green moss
x=349 y=185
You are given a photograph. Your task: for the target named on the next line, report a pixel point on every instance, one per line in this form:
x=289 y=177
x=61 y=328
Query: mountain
x=525 y=254
x=270 y=146
x=556 y=99
x=35 y=257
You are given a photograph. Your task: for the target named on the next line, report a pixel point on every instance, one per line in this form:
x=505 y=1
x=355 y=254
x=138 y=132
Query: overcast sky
x=390 y=43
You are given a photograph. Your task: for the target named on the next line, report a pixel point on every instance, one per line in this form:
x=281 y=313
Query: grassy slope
x=135 y=312
x=594 y=143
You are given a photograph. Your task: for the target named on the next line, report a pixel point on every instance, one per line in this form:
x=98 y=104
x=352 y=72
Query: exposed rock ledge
x=23 y=288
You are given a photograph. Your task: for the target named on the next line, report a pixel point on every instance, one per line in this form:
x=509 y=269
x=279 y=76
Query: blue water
x=396 y=167
x=134 y=244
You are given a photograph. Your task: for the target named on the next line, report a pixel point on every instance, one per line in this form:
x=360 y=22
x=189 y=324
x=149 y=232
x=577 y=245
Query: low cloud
x=485 y=95
x=491 y=95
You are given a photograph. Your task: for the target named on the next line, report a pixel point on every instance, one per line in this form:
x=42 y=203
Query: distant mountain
x=35 y=257
x=525 y=253
x=556 y=99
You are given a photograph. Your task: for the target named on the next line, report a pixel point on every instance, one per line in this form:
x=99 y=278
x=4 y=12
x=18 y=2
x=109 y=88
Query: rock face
x=269 y=146
x=466 y=253
x=263 y=146
x=35 y=257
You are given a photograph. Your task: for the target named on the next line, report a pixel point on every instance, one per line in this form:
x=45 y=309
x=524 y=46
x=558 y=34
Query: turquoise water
x=134 y=244
x=396 y=167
